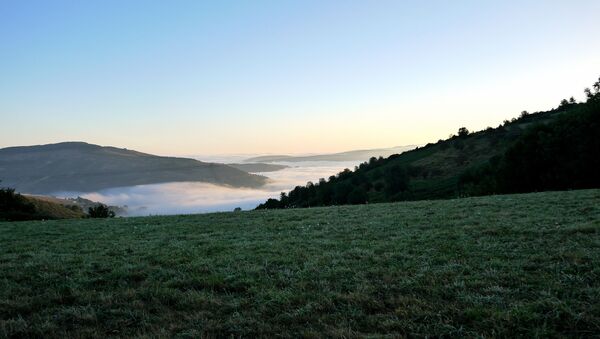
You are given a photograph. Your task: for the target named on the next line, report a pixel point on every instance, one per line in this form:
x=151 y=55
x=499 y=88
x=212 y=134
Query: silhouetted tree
x=593 y=95
x=463 y=132
x=100 y=211
x=270 y=204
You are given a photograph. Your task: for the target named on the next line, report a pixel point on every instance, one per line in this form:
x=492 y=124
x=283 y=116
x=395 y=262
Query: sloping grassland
x=495 y=266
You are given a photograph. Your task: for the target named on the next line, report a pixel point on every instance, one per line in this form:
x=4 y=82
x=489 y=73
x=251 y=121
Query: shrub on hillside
x=15 y=207
x=100 y=211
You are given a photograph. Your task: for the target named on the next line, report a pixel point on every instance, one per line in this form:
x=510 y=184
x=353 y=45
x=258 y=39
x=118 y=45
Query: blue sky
x=199 y=77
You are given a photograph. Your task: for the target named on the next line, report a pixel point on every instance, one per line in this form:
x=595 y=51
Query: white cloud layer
x=195 y=197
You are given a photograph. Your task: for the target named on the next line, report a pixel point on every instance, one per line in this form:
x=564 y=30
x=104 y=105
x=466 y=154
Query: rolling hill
x=82 y=167
x=20 y=207
x=50 y=208
x=17 y=207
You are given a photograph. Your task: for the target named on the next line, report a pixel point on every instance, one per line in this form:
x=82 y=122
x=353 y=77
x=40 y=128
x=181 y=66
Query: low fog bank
x=234 y=158
x=195 y=197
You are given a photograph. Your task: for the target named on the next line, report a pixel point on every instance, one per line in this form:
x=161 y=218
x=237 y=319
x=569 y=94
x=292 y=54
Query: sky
x=232 y=77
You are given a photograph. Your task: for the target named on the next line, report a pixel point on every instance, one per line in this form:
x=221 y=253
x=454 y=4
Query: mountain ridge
x=75 y=166
x=354 y=155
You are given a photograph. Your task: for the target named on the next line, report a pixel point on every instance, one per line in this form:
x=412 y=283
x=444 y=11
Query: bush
x=15 y=207
x=100 y=211
x=463 y=132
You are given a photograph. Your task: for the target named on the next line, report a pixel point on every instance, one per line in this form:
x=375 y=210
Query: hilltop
x=82 y=167
x=499 y=266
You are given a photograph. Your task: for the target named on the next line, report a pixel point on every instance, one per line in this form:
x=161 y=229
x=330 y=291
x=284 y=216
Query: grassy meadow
x=497 y=266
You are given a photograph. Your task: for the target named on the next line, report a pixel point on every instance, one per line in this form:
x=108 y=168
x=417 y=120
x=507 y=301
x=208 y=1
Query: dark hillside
x=459 y=165
x=562 y=155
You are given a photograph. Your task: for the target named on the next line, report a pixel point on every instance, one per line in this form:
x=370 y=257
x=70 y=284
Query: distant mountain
x=258 y=167
x=358 y=155
x=82 y=167
x=270 y=158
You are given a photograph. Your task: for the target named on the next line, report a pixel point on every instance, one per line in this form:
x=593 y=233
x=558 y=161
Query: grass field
x=495 y=266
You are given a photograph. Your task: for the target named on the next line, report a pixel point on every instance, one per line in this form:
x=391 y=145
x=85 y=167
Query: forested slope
x=556 y=149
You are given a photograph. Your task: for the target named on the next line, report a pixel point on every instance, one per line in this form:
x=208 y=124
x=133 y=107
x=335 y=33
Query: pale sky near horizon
x=200 y=77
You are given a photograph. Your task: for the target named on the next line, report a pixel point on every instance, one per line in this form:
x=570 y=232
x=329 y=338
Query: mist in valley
x=198 y=197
